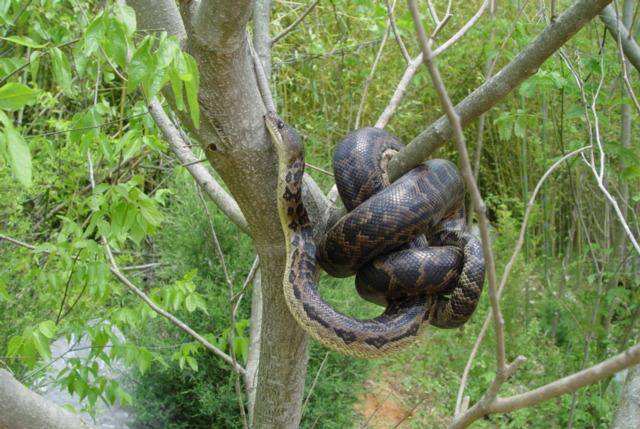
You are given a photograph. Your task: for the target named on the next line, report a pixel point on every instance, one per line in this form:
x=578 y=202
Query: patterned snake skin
x=382 y=240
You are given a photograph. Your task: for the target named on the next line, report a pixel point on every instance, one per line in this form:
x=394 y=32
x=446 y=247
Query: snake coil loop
x=406 y=242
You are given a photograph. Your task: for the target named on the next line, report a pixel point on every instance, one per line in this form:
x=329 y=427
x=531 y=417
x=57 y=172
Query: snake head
x=285 y=138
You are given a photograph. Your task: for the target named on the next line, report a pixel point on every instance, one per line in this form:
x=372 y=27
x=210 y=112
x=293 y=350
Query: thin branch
x=369 y=78
x=263 y=81
x=396 y=32
x=467 y=174
x=620 y=33
x=499 y=86
x=233 y=308
x=113 y=267
x=180 y=148
x=321 y=170
x=295 y=23
x=570 y=383
x=313 y=384
x=509 y=266
x=414 y=64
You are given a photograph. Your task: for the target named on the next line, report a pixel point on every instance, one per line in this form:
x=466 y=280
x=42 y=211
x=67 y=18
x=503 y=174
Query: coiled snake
x=383 y=240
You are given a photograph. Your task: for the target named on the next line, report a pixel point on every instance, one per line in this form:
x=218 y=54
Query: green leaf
x=127 y=16
x=4 y=294
x=23 y=41
x=41 y=344
x=192 y=363
x=144 y=358
x=241 y=347
x=14 y=96
x=631 y=172
x=48 y=328
x=141 y=62
x=191 y=87
x=190 y=304
x=14 y=346
x=18 y=151
x=176 y=87
x=94 y=35
x=115 y=44
x=61 y=69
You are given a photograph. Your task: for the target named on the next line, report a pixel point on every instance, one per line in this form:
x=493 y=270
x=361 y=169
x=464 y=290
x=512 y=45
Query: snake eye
x=280 y=124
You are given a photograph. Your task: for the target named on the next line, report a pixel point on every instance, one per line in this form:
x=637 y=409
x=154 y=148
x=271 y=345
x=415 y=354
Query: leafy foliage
x=75 y=80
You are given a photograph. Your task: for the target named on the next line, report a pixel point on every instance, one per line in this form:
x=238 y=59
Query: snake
x=406 y=242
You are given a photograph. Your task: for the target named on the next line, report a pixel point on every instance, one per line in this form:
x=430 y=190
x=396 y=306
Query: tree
x=233 y=97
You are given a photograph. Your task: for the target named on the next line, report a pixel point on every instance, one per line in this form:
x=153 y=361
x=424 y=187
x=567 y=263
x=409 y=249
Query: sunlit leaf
x=15 y=95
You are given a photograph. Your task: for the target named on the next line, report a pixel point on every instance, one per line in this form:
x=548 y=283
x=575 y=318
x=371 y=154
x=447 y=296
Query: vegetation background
x=71 y=100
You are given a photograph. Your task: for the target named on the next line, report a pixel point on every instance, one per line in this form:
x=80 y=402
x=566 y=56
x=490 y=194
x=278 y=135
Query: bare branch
x=263 y=80
x=413 y=65
x=509 y=266
x=467 y=174
x=369 y=78
x=295 y=23
x=232 y=306
x=180 y=148
x=619 y=32
x=396 y=32
x=570 y=383
x=500 y=85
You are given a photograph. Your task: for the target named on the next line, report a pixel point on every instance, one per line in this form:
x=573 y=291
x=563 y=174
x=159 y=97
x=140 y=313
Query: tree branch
x=295 y=23
x=180 y=148
x=21 y=408
x=570 y=383
x=472 y=186
x=413 y=65
x=159 y=15
x=619 y=31
x=499 y=86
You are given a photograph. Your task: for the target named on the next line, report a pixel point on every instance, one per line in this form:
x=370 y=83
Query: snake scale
x=406 y=242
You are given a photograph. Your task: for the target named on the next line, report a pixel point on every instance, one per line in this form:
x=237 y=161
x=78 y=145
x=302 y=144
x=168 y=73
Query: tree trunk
x=233 y=134
x=628 y=413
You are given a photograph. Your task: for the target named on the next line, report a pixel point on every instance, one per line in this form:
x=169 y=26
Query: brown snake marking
x=383 y=240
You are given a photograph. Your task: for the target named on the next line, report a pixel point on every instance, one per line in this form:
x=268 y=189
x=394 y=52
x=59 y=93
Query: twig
x=499 y=86
x=509 y=266
x=227 y=277
x=313 y=384
x=414 y=64
x=369 y=78
x=295 y=23
x=321 y=170
x=141 y=267
x=467 y=174
x=263 y=81
x=396 y=32
x=178 y=145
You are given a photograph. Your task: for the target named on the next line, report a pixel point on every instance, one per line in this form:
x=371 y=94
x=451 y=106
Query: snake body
x=383 y=240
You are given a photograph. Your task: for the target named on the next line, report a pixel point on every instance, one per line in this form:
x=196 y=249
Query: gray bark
x=618 y=29
x=163 y=16
x=232 y=129
x=20 y=408
x=628 y=413
x=500 y=85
